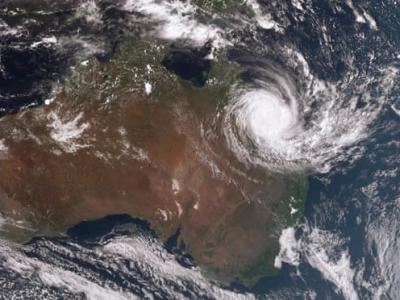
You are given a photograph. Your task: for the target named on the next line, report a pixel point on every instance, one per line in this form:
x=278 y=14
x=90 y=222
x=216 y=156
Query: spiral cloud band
x=277 y=125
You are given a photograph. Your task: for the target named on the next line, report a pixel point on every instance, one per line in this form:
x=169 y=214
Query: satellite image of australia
x=199 y=149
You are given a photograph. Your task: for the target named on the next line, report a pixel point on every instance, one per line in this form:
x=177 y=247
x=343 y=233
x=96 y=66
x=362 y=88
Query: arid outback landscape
x=127 y=136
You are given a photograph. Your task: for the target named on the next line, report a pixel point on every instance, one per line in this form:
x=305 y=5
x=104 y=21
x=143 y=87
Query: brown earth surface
x=104 y=147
